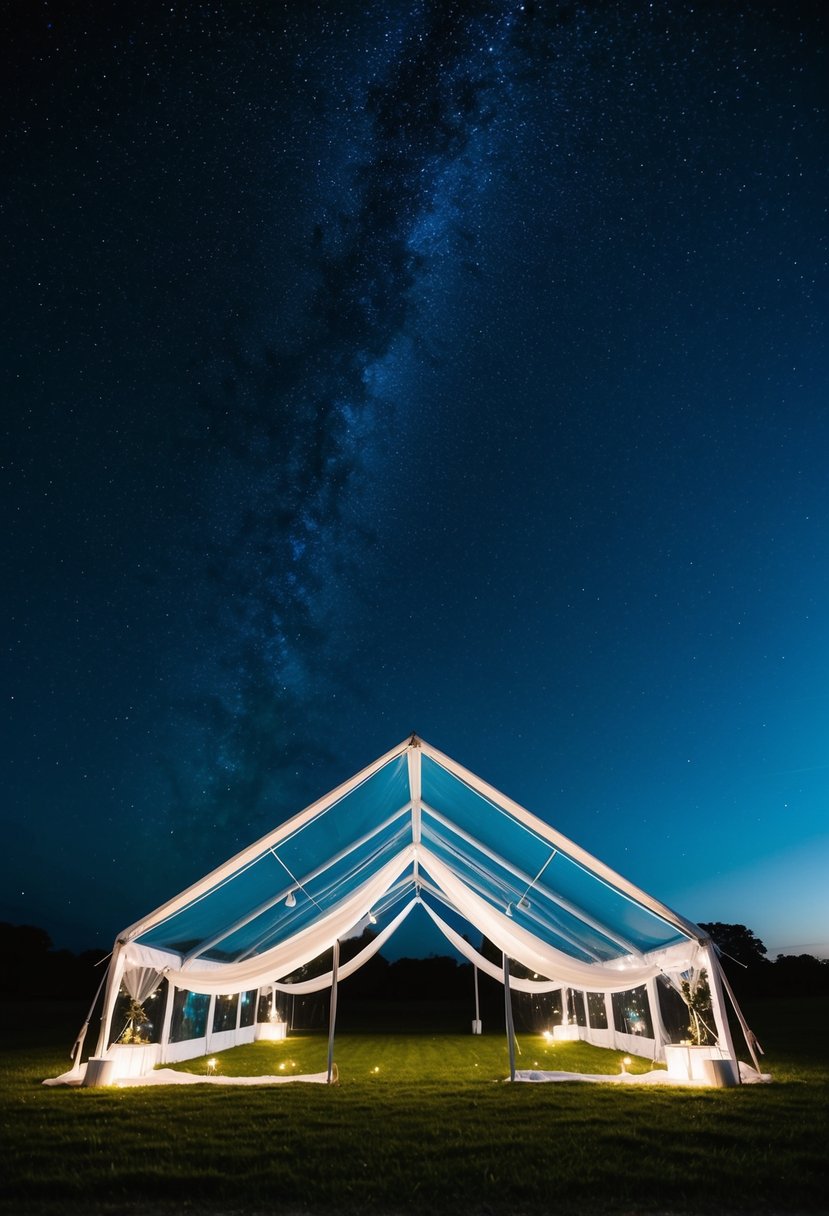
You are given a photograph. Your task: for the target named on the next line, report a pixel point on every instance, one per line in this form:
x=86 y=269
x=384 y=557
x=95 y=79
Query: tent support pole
x=611 y=1019
x=333 y=1012
x=750 y=1038
x=478 y=1026
x=77 y=1048
x=508 y=1019
x=208 y=1029
x=718 y=1003
x=168 y=1018
x=116 y=971
x=660 y=1035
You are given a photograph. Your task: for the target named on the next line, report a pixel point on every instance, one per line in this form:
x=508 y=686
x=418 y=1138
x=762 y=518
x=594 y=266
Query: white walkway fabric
x=171 y=1076
x=658 y=1076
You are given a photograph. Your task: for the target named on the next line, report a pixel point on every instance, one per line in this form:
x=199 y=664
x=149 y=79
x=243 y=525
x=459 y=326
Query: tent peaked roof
x=415 y=825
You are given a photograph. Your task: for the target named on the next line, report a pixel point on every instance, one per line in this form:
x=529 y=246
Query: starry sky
x=453 y=367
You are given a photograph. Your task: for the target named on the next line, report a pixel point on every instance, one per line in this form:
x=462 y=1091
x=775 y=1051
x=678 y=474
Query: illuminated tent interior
x=413 y=829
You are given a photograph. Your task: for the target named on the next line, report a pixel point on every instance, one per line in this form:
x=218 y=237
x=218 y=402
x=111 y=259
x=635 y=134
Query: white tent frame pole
x=77 y=1049
x=508 y=1018
x=208 y=1028
x=559 y=900
x=568 y=847
x=252 y=852
x=712 y=966
x=748 y=1033
x=610 y=1016
x=116 y=971
x=332 y=1018
x=477 y=999
x=168 y=1019
x=275 y=899
x=660 y=1035
x=413 y=760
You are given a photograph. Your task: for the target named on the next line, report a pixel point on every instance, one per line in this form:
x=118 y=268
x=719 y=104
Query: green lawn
x=412 y=1059
x=434 y=1129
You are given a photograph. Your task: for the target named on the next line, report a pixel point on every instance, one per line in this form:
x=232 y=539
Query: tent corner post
x=332 y=1019
x=508 y=1019
x=720 y=1012
x=748 y=1033
x=113 y=985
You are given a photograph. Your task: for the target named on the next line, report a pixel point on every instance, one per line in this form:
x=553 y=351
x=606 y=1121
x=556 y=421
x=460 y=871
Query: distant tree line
x=752 y=973
x=33 y=968
x=30 y=967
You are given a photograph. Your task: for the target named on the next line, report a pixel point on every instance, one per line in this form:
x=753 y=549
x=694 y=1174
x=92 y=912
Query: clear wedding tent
x=412 y=830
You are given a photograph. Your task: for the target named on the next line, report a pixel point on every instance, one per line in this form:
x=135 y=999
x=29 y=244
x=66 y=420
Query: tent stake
x=333 y=1013
x=508 y=1018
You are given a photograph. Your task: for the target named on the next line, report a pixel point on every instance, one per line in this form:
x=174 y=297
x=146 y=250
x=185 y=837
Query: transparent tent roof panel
x=543 y=918
x=502 y=835
x=353 y=817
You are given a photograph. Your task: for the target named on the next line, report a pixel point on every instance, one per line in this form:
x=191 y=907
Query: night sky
x=447 y=367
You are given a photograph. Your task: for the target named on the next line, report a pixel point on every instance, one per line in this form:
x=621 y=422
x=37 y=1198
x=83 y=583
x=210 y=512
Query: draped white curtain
x=519 y=944
x=141 y=982
x=483 y=964
x=294 y=952
x=320 y=982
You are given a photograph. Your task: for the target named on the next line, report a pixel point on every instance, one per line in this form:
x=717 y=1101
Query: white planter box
x=567 y=1033
x=704 y=1063
x=122 y=1060
x=271 y=1032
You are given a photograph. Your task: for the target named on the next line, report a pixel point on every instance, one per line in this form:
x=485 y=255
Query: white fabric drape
x=483 y=964
x=141 y=982
x=537 y=955
x=321 y=982
x=295 y=951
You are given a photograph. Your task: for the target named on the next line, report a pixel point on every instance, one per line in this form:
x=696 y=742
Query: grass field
x=433 y=1129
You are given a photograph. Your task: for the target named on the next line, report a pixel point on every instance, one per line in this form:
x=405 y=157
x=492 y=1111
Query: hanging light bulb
x=509 y=911
x=372 y=919
x=290 y=902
